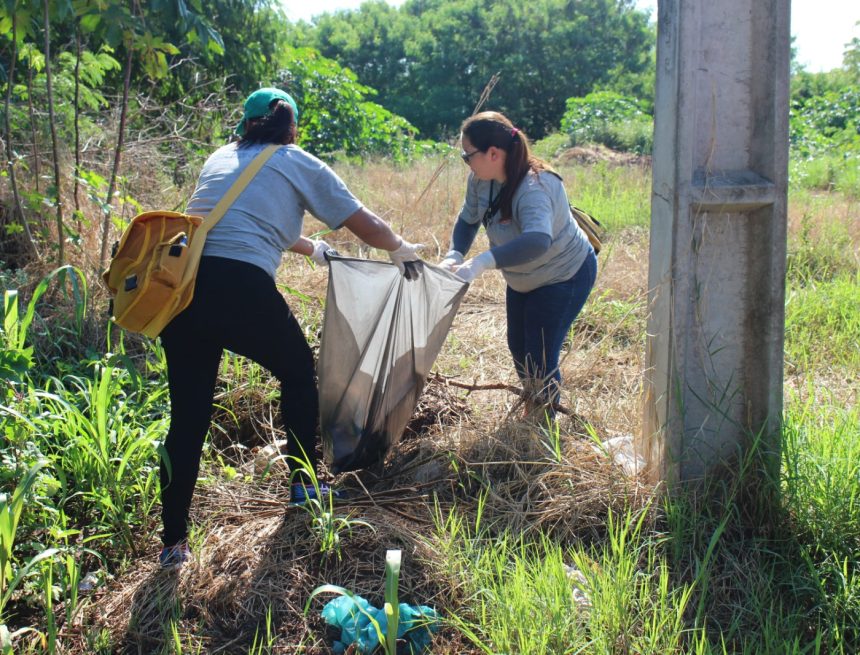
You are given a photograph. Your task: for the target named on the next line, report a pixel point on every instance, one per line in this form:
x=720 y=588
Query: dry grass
x=258 y=555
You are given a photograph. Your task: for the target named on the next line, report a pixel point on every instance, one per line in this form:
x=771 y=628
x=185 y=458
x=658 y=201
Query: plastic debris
x=622 y=450
x=352 y=614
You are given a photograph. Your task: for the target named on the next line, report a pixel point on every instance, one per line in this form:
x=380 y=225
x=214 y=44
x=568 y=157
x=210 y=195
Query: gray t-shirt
x=540 y=204
x=266 y=218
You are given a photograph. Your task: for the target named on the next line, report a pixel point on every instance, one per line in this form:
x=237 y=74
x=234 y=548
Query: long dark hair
x=278 y=126
x=490 y=128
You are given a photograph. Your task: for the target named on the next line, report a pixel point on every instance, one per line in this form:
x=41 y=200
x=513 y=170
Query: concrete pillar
x=714 y=361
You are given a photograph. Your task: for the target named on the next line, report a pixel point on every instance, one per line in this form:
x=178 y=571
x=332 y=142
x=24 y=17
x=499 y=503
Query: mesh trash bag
x=381 y=335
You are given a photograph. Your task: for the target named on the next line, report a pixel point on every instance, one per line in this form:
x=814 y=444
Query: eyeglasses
x=466 y=156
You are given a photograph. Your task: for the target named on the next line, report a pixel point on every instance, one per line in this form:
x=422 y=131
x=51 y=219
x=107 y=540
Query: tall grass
x=538 y=597
x=105 y=433
x=822 y=324
x=619 y=196
x=695 y=574
x=837 y=171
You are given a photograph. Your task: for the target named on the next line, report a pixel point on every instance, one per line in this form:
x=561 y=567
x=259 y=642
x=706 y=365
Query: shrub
x=335 y=114
x=609 y=118
x=824 y=133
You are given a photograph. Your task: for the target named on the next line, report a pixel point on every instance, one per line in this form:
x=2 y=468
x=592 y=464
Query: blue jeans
x=538 y=322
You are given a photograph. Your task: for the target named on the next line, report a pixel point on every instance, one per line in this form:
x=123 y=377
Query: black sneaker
x=300 y=494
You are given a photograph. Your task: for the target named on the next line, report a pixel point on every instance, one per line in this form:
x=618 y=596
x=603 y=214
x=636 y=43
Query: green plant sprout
x=325 y=524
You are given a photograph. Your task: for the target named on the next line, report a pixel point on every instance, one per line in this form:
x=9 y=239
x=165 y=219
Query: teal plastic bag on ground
x=352 y=614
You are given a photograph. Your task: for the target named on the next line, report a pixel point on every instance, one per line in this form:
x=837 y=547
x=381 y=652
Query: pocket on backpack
x=172 y=258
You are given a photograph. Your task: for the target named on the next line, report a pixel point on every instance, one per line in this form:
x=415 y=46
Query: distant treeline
x=80 y=80
x=430 y=59
x=426 y=61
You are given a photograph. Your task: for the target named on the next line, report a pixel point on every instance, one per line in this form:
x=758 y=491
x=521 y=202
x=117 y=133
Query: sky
x=821 y=27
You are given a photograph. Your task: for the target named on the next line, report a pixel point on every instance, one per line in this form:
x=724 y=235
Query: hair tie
x=514 y=133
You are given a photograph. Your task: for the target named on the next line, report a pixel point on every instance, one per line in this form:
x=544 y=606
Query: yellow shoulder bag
x=154 y=265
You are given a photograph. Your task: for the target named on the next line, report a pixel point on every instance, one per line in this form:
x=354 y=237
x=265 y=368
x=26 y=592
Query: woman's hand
x=453 y=259
x=320 y=250
x=405 y=253
x=472 y=269
x=315 y=249
x=376 y=233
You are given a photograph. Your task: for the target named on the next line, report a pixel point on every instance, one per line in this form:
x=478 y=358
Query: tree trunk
x=77 y=110
x=116 y=158
x=52 y=122
x=10 y=153
x=37 y=156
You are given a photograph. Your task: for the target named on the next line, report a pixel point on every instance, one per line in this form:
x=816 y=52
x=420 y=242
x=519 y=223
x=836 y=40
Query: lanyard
x=493 y=207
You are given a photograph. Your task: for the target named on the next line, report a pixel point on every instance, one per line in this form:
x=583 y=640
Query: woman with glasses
x=545 y=257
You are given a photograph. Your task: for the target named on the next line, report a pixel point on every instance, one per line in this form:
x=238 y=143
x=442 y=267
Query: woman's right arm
x=371 y=229
x=463 y=235
x=376 y=233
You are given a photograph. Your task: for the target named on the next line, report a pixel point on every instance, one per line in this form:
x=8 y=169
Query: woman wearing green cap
x=236 y=305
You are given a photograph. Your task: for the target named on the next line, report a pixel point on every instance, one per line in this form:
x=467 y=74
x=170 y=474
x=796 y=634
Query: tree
x=430 y=59
x=851 y=58
x=10 y=29
x=52 y=123
x=335 y=114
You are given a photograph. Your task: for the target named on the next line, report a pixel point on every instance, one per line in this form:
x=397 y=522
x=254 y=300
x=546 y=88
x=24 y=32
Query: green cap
x=257 y=106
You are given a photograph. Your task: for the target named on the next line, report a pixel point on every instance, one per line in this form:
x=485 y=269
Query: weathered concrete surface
x=718 y=235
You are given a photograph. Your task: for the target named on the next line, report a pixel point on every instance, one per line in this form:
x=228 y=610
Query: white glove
x=452 y=259
x=406 y=252
x=320 y=249
x=471 y=270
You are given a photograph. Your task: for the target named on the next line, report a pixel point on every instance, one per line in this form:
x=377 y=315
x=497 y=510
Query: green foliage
x=430 y=60
x=820 y=464
x=851 y=60
x=611 y=119
x=824 y=135
x=335 y=114
x=325 y=525
x=106 y=421
x=91 y=435
x=230 y=46
x=11 y=509
x=16 y=357
x=523 y=597
x=826 y=122
x=550 y=146
x=618 y=196
x=819 y=252
x=94 y=68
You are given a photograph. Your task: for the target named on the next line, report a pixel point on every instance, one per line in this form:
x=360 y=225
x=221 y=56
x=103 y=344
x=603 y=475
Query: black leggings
x=238 y=307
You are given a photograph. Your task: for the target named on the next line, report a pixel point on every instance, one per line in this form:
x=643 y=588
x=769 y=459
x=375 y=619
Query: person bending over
x=545 y=257
x=236 y=305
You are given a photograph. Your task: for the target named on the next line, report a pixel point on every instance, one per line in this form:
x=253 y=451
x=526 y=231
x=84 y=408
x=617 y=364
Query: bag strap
x=196 y=247
x=237 y=188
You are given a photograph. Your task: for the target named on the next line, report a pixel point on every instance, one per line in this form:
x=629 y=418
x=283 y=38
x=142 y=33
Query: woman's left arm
x=313 y=248
x=521 y=250
x=303 y=246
